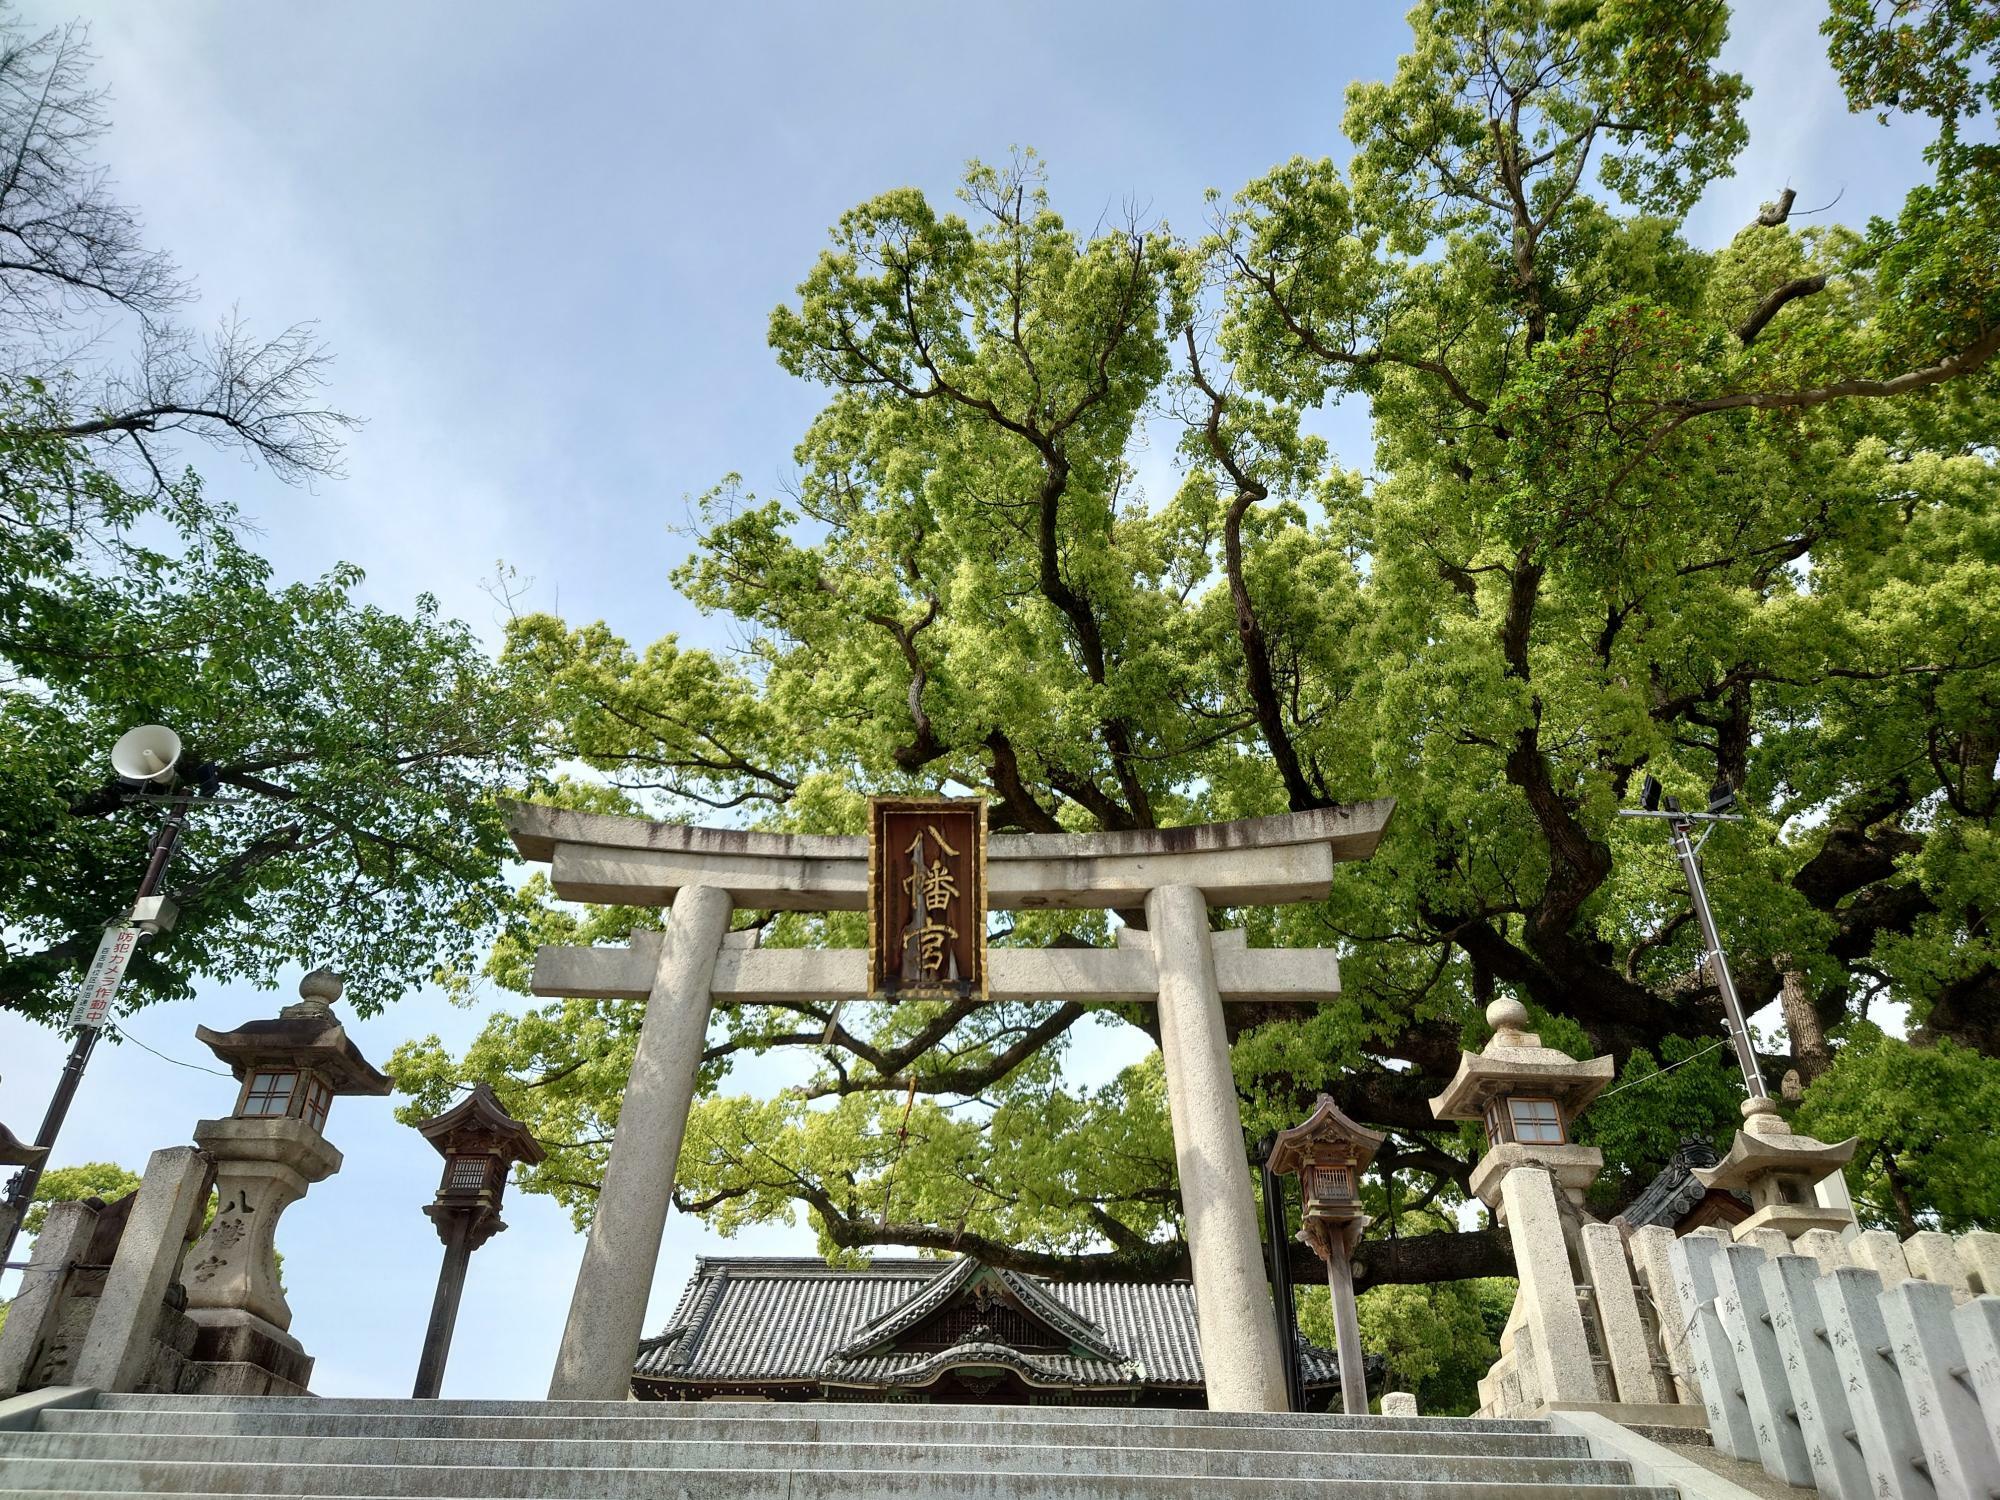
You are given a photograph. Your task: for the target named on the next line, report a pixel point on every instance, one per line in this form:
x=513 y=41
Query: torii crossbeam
x=703 y=874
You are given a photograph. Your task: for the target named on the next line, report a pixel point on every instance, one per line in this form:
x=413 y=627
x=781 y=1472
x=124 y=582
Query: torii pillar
x=703 y=874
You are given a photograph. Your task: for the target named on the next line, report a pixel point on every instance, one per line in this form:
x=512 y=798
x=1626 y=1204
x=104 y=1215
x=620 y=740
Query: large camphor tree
x=1635 y=506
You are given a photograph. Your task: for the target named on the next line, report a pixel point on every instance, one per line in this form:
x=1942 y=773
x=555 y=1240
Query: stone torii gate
x=704 y=874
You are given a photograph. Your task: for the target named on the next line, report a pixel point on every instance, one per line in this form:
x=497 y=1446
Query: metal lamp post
x=480 y=1142
x=1680 y=824
x=145 y=759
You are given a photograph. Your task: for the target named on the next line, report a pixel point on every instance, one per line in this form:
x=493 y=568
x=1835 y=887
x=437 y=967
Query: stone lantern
x=1780 y=1171
x=1527 y=1097
x=1330 y=1152
x=1533 y=1176
x=480 y=1142
x=267 y=1152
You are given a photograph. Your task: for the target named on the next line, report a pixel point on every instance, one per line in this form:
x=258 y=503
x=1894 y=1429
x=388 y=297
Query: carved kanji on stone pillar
x=267 y=1152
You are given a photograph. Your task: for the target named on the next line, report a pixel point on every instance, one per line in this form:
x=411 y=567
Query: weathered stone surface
x=1561 y=1348
x=1625 y=1339
x=1826 y=1247
x=607 y=1311
x=1227 y=877
x=263 y=1166
x=33 y=1314
x=1979 y=1251
x=1697 y=1260
x=1979 y=1332
x=1819 y=1398
x=1880 y=1252
x=1950 y=1425
x=1932 y=1257
x=123 y=1333
x=1399 y=1404
x=1352 y=832
x=1650 y=1247
x=1850 y=1302
x=1760 y=1364
x=1239 y=1346
x=767 y=976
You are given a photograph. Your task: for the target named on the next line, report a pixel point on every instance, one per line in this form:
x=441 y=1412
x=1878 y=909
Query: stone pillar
x=1980 y=1251
x=1696 y=1259
x=1851 y=1299
x=1650 y=1247
x=1818 y=1398
x=1760 y=1364
x=1541 y=1260
x=1932 y=1257
x=37 y=1307
x=1963 y=1462
x=607 y=1312
x=123 y=1334
x=1632 y=1367
x=1239 y=1347
x=1882 y=1253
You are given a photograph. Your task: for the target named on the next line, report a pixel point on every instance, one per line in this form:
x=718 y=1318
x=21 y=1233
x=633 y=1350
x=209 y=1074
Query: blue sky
x=544 y=242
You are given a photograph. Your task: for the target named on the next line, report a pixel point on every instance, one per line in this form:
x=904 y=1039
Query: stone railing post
x=1651 y=1248
x=1957 y=1447
x=1932 y=1257
x=1979 y=1331
x=1882 y=1253
x=607 y=1312
x=1790 y=1284
x=1980 y=1251
x=1633 y=1370
x=1697 y=1261
x=1851 y=1300
x=122 y=1340
x=36 y=1309
x=1767 y=1388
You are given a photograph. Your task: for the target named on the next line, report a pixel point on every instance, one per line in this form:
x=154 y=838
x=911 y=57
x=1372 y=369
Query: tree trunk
x=1802 y=1025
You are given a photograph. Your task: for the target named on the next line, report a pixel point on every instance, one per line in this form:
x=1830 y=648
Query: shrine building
x=798 y=1329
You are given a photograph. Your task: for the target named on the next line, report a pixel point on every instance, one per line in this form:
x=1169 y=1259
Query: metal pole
x=1739 y=1027
x=444 y=1309
x=1281 y=1283
x=22 y=1191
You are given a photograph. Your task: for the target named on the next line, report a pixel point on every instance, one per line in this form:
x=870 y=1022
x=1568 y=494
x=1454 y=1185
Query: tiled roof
x=1673 y=1195
x=784 y=1319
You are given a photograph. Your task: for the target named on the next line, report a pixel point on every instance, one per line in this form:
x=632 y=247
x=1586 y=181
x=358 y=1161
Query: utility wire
x=1662 y=1072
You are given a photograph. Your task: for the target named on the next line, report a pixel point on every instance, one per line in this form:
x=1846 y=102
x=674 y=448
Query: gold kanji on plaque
x=926 y=897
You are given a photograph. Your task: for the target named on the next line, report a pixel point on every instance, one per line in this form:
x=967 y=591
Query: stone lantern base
x=237 y=1353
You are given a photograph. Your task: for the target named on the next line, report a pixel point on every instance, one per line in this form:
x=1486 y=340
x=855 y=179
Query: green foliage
x=1928 y=1157
x=1438 y=1341
x=1636 y=505
x=358 y=751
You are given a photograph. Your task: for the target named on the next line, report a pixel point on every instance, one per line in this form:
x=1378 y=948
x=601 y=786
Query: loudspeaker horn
x=146 y=754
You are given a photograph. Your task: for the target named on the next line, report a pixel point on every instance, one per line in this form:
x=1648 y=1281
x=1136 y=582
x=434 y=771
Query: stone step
x=470 y=1454
x=704 y=1422
x=1113 y=1416
x=40 y=1477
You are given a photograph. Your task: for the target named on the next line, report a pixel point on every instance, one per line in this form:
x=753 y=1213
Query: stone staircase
x=609 y=1450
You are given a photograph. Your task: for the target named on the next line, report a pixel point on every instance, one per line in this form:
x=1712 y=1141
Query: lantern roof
x=15 y=1152
x=305 y=1035
x=480 y=1113
x=1327 y=1125
x=1766 y=1145
x=1516 y=1062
